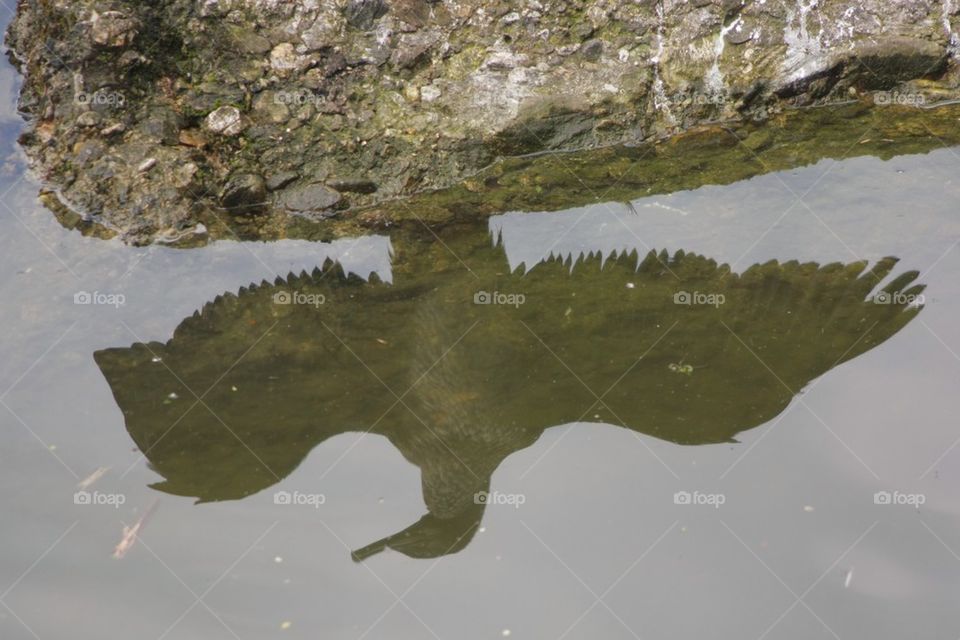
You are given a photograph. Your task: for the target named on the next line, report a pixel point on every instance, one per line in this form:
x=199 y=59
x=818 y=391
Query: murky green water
x=672 y=418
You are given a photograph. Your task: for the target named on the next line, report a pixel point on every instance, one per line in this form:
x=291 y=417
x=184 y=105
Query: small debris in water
x=848 y=579
x=482 y=529
x=93 y=477
x=382 y=341
x=146 y=165
x=172 y=395
x=232 y=388
x=630 y=285
x=278 y=559
x=130 y=533
x=156 y=359
x=286 y=624
x=505 y=633
x=808 y=508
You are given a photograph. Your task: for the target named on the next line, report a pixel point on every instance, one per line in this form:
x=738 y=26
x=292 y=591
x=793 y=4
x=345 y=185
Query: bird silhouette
x=461 y=362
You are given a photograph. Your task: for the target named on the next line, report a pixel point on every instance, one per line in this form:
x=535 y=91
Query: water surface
x=406 y=460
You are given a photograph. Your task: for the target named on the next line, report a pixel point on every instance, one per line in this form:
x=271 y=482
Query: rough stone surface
x=415 y=95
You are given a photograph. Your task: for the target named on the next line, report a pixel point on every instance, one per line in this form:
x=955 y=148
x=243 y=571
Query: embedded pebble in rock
x=429 y=93
x=117 y=127
x=245 y=191
x=280 y=180
x=113 y=29
x=284 y=59
x=225 y=121
x=184 y=175
x=88 y=119
x=592 y=49
x=309 y=198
